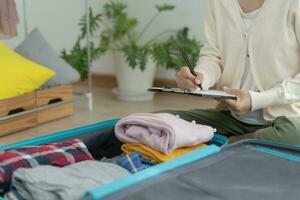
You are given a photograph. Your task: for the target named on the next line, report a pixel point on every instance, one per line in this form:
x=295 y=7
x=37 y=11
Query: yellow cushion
x=19 y=75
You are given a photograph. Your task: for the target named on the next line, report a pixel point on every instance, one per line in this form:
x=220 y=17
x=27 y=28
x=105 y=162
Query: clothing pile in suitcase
x=67 y=169
x=161 y=137
x=111 y=160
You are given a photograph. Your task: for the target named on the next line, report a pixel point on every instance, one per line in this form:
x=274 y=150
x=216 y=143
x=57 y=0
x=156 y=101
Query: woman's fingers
x=186 y=80
x=190 y=85
x=199 y=78
x=187 y=74
x=232 y=104
x=185 y=83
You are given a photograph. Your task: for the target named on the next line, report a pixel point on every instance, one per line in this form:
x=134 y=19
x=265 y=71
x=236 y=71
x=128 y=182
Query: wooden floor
x=107 y=107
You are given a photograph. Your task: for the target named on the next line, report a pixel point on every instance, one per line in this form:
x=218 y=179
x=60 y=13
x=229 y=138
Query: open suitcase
x=101 y=142
x=247 y=170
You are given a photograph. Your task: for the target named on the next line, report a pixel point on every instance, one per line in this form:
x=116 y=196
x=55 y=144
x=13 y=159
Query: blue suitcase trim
x=62 y=135
x=278 y=154
x=105 y=190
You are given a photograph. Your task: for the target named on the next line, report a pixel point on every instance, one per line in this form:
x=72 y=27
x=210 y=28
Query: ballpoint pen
x=187 y=61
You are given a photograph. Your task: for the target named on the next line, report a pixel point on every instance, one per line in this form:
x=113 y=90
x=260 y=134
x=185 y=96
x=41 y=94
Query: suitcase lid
x=250 y=169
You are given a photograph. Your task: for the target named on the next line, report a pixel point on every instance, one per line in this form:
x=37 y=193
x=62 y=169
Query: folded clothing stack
x=161 y=137
x=67 y=183
x=57 y=154
x=155 y=156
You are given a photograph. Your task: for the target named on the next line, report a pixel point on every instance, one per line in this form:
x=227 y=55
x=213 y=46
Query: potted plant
x=135 y=61
x=134 y=67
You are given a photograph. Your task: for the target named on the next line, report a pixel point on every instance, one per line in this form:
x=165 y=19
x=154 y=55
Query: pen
x=187 y=61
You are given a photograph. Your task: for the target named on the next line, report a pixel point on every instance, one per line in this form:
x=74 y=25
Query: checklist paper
x=203 y=93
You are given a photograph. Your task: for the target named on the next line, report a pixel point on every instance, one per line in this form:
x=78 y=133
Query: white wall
x=58 y=19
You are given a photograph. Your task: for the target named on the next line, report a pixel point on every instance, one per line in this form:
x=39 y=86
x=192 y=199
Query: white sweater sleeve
x=209 y=63
x=287 y=91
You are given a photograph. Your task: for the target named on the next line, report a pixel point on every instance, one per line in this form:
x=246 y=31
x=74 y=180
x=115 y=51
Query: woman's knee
x=288 y=124
x=283 y=129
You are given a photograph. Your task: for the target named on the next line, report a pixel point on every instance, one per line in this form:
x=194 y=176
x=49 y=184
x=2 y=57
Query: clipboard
x=202 y=93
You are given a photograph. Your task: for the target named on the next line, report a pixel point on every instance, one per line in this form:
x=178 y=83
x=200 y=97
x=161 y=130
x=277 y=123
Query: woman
x=252 y=51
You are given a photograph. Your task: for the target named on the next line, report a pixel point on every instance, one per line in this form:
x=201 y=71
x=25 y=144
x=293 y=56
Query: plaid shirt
x=134 y=162
x=58 y=154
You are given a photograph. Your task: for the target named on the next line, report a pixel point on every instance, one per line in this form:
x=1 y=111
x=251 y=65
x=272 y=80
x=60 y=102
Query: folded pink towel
x=163 y=132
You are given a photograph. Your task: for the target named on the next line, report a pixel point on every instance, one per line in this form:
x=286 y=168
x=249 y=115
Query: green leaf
x=165 y=7
x=77 y=57
x=136 y=56
x=94 y=23
x=160 y=54
x=123 y=26
x=130 y=52
x=143 y=58
x=167 y=54
x=114 y=9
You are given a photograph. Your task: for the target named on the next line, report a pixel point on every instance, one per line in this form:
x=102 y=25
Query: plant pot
x=133 y=83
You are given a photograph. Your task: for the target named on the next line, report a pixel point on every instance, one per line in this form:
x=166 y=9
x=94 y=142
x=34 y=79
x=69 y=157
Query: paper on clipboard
x=203 y=93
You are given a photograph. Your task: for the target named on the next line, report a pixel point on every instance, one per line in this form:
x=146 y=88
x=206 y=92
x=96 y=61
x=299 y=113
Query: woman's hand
x=186 y=80
x=243 y=103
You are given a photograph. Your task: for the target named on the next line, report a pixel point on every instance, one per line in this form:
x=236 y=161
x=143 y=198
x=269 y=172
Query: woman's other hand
x=243 y=103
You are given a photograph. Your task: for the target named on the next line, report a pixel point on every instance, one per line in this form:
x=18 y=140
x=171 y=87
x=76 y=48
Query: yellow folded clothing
x=156 y=156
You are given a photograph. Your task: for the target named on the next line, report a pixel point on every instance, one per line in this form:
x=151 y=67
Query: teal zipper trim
x=62 y=135
x=269 y=142
x=278 y=154
x=108 y=189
